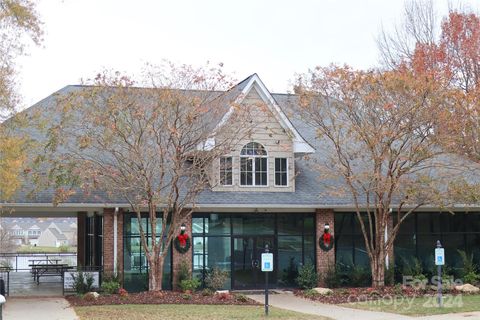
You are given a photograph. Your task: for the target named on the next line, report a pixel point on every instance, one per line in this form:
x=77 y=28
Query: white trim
x=115 y=239
x=299 y=144
x=253 y=157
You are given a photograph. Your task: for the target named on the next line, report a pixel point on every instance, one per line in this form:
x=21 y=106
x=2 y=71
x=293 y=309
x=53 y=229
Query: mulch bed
x=162 y=297
x=346 y=295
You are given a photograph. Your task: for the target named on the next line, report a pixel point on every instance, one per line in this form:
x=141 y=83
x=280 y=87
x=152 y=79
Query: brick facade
x=108 y=241
x=178 y=258
x=325 y=259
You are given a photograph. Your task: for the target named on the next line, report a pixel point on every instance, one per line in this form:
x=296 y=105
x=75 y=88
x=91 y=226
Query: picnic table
x=48 y=269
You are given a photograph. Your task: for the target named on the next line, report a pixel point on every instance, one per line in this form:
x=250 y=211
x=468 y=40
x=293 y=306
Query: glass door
x=247 y=251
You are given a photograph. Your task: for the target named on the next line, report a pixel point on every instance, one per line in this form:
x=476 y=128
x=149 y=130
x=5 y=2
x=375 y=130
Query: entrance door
x=247 y=251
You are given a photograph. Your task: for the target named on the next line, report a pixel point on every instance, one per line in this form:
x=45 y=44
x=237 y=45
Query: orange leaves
x=12 y=160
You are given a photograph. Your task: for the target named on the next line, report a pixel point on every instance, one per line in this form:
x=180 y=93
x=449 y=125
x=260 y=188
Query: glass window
x=226 y=171
x=290 y=224
x=309 y=249
x=289 y=259
x=197 y=225
x=218 y=254
x=281 y=170
x=217 y=224
x=253 y=224
x=253 y=165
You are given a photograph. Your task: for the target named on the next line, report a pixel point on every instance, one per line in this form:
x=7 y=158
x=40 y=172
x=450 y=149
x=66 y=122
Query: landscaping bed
x=352 y=295
x=163 y=297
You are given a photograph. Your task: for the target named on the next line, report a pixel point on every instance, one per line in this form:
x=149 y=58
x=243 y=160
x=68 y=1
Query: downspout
x=386 y=239
x=115 y=239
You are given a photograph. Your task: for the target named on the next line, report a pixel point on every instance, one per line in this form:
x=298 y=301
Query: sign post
x=439 y=262
x=267 y=266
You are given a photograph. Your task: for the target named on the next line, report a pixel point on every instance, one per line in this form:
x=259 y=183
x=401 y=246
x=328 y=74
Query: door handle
x=255 y=264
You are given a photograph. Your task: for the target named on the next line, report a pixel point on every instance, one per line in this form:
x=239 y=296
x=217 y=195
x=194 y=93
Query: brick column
x=325 y=259
x=81 y=234
x=108 y=241
x=177 y=257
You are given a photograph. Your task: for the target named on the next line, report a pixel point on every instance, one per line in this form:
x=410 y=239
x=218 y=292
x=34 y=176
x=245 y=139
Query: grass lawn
x=175 y=312
x=421 y=306
x=39 y=249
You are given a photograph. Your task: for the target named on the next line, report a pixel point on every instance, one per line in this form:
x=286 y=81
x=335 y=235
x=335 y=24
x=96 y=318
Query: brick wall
x=177 y=257
x=108 y=240
x=325 y=259
x=81 y=232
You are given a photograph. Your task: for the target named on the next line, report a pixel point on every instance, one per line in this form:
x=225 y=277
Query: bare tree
x=376 y=130
x=7 y=244
x=152 y=147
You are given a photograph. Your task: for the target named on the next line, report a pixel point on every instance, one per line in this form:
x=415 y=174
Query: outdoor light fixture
x=183 y=227
x=327 y=226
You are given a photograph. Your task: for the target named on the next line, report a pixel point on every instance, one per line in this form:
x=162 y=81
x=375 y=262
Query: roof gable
x=300 y=145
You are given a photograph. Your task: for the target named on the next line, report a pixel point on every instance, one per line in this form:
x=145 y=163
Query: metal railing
x=22 y=262
x=5 y=278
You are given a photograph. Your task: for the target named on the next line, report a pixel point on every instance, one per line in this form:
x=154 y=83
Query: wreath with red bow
x=182 y=242
x=326 y=240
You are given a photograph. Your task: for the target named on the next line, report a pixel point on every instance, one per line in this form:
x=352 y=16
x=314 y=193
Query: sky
x=274 y=39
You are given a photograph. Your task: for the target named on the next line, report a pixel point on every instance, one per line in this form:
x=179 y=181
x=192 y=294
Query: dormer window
x=253 y=165
x=226 y=171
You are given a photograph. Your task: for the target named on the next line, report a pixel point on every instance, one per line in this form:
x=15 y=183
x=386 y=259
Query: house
x=268 y=194
x=52 y=237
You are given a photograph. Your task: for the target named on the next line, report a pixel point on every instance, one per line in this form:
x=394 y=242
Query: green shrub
x=82 y=283
x=186 y=296
x=469 y=271
x=241 y=297
x=207 y=292
x=183 y=272
x=215 y=278
x=471 y=278
x=332 y=278
x=290 y=273
x=189 y=285
x=307 y=277
x=360 y=277
x=310 y=293
x=110 y=287
x=414 y=269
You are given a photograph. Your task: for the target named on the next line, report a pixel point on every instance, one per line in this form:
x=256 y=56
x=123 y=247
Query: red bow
x=182 y=238
x=327 y=237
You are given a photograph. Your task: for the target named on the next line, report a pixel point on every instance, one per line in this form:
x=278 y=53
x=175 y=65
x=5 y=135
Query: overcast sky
x=274 y=38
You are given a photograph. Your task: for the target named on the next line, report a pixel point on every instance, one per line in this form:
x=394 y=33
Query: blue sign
x=439 y=256
x=267 y=262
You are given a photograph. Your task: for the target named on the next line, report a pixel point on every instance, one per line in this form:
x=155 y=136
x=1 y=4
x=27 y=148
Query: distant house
x=52 y=237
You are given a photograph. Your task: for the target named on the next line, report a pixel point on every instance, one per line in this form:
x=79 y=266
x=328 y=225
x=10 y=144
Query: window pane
x=218 y=224
x=280 y=171
x=226 y=170
x=253 y=224
x=253 y=148
x=309 y=224
x=246 y=172
x=309 y=249
x=261 y=171
x=428 y=222
x=290 y=224
x=289 y=258
x=218 y=255
x=198 y=256
x=197 y=225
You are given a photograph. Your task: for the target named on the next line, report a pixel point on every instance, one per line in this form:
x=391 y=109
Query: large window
x=281 y=172
x=135 y=265
x=253 y=165
x=226 y=171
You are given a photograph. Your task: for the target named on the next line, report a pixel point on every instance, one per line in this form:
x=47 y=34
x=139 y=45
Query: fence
x=21 y=262
x=5 y=276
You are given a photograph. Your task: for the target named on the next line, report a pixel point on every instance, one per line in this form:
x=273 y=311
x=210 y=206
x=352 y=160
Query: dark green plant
x=110 y=287
x=311 y=293
x=207 y=292
x=360 y=277
x=82 y=283
x=307 y=277
x=189 y=285
x=186 y=296
x=414 y=269
x=469 y=272
x=183 y=272
x=390 y=276
x=241 y=297
x=332 y=278
x=290 y=273
x=215 y=278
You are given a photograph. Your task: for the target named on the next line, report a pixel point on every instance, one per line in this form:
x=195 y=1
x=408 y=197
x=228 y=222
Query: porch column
x=325 y=259
x=177 y=257
x=81 y=238
x=112 y=262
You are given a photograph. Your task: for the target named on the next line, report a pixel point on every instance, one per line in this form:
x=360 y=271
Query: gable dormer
x=263 y=161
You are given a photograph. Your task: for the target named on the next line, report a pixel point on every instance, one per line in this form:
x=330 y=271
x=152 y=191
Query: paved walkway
x=38 y=309
x=290 y=302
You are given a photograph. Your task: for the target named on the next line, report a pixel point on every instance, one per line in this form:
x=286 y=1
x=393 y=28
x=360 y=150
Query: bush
x=183 y=272
x=290 y=273
x=310 y=293
x=110 y=287
x=186 y=296
x=469 y=272
x=216 y=278
x=122 y=292
x=64 y=248
x=414 y=269
x=189 y=285
x=307 y=277
x=360 y=277
x=332 y=278
x=82 y=283
x=241 y=298
x=207 y=292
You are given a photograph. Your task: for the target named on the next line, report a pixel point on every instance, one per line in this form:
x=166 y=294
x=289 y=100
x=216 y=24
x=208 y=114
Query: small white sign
x=267 y=262
x=68 y=279
x=439 y=256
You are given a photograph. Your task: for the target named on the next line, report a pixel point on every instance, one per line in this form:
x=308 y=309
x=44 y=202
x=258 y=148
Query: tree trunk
x=378 y=271
x=155 y=273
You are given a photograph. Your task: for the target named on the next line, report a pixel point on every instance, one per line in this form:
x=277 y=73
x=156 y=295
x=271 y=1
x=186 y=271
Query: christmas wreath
x=326 y=239
x=182 y=242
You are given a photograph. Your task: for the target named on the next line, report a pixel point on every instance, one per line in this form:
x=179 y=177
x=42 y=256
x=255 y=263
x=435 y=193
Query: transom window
x=253 y=165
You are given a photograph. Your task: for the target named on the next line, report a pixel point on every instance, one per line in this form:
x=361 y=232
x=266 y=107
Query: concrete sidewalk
x=289 y=301
x=38 y=309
